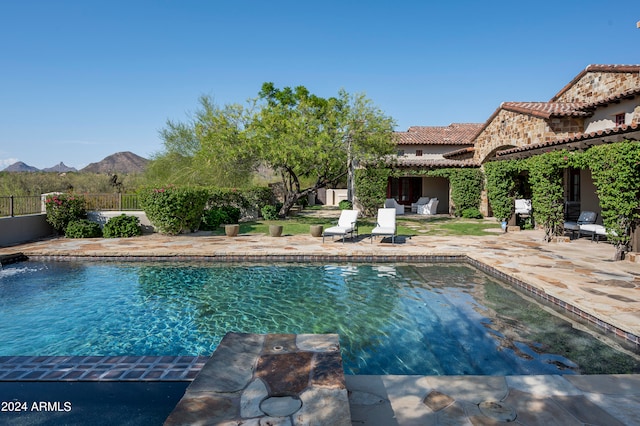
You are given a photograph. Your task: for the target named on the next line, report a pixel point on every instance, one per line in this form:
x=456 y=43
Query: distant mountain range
x=120 y=162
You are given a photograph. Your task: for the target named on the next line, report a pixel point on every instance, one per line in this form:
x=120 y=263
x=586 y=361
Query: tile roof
x=453 y=134
x=463 y=152
x=549 y=109
x=579 y=137
x=434 y=163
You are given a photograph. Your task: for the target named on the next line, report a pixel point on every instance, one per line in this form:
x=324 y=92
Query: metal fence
x=23 y=205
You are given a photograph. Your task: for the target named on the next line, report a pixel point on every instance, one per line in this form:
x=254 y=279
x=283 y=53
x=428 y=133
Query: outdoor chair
x=347 y=224
x=385 y=225
x=595 y=231
x=391 y=203
x=585 y=218
x=430 y=208
x=523 y=207
x=421 y=202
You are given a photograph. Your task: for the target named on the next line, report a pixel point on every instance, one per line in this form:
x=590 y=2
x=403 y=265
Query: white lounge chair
x=430 y=208
x=421 y=202
x=386 y=224
x=347 y=224
x=391 y=203
x=523 y=206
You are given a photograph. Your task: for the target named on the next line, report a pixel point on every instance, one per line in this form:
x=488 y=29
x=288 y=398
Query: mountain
x=20 y=167
x=60 y=168
x=120 y=162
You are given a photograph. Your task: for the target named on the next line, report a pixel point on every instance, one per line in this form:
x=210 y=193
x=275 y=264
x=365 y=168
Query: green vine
x=547 y=186
x=615 y=169
x=466 y=187
x=501 y=184
x=371 y=188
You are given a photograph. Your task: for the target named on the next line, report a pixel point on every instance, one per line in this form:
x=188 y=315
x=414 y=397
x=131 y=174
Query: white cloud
x=6 y=162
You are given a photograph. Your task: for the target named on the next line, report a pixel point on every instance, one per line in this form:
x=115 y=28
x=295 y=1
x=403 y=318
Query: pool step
x=6 y=259
x=270 y=378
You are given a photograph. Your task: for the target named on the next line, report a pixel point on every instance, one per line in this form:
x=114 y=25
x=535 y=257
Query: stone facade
x=511 y=129
x=598 y=83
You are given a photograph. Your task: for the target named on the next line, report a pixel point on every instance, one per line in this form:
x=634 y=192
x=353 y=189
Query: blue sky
x=80 y=80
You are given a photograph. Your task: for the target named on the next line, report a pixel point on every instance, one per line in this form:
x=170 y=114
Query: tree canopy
x=309 y=141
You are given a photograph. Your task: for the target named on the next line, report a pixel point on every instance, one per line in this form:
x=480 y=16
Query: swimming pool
x=392 y=319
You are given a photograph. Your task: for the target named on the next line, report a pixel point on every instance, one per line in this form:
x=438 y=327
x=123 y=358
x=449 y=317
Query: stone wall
x=511 y=129
x=596 y=86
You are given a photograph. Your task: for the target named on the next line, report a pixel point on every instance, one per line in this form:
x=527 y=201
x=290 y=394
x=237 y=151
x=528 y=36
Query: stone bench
x=265 y=379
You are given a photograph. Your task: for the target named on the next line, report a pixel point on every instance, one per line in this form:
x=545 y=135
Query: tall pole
x=350 y=182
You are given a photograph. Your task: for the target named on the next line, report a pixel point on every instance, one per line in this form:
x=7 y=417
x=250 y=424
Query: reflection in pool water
x=392 y=319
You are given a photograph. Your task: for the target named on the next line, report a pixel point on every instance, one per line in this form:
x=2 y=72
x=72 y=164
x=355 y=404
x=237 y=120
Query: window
x=418 y=153
x=400 y=152
x=620 y=119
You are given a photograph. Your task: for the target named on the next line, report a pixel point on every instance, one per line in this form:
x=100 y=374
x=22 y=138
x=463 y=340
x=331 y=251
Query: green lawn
x=406 y=226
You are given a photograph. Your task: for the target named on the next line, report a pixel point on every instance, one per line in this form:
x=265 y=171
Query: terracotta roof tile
x=549 y=109
x=451 y=155
x=434 y=163
x=575 y=138
x=453 y=134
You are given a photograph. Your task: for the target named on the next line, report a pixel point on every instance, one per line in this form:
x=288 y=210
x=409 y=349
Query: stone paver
x=579 y=276
x=281 y=387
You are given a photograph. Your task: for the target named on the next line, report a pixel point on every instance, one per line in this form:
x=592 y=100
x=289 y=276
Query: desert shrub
x=122 y=226
x=63 y=209
x=345 y=205
x=216 y=216
x=471 y=213
x=82 y=228
x=172 y=209
x=269 y=212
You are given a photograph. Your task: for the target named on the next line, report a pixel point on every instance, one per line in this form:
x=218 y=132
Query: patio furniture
x=421 y=202
x=391 y=203
x=523 y=207
x=430 y=208
x=585 y=218
x=595 y=231
x=347 y=224
x=385 y=225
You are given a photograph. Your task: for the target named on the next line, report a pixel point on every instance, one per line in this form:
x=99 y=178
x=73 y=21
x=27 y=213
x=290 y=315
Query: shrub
x=82 y=228
x=371 y=188
x=63 y=208
x=269 y=212
x=345 y=205
x=122 y=226
x=214 y=217
x=471 y=213
x=172 y=210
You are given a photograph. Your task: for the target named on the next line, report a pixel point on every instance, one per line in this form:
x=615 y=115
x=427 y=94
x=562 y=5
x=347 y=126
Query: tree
x=208 y=150
x=301 y=135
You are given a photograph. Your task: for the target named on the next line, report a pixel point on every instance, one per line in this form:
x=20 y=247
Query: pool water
x=392 y=319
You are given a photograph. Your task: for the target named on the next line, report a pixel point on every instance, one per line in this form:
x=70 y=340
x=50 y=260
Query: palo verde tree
x=615 y=169
x=210 y=149
x=303 y=136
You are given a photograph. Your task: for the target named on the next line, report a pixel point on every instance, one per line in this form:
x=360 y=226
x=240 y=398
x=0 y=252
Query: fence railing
x=34 y=204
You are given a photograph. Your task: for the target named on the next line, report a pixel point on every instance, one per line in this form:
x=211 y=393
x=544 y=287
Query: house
x=600 y=105
x=424 y=148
